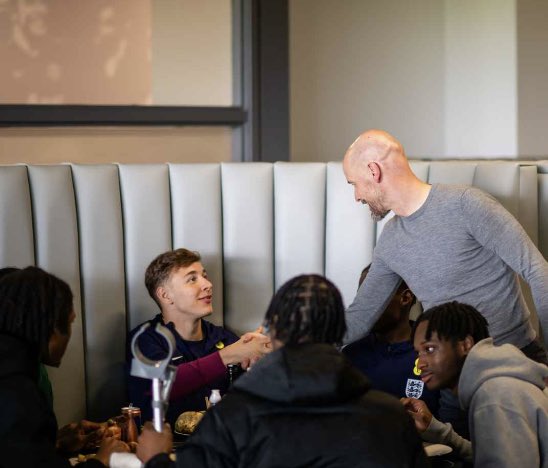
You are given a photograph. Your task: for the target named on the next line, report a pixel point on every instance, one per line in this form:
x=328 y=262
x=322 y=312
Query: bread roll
x=187 y=421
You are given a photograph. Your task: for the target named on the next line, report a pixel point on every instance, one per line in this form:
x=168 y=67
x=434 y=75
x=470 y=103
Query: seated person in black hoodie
x=72 y=437
x=302 y=405
x=36 y=315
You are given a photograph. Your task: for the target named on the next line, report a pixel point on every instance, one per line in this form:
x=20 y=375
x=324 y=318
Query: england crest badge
x=414 y=388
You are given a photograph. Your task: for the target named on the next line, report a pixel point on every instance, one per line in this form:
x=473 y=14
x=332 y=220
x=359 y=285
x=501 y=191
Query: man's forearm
x=371 y=300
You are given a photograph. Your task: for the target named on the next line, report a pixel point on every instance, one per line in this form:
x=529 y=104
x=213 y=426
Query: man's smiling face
x=365 y=189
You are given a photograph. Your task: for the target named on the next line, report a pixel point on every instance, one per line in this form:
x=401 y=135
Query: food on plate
x=94 y=437
x=82 y=458
x=108 y=428
x=186 y=422
x=84 y=435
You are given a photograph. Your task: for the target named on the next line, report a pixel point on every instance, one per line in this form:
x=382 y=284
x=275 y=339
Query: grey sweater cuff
x=443 y=433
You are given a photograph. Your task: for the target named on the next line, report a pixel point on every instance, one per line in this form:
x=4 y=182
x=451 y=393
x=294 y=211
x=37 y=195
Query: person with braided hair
x=504 y=392
x=302 y=405
x=44 y=383
x=36 y=315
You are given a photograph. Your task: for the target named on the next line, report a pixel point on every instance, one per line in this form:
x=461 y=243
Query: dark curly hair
x=34 y=303
x=307 y=309
x=454 y=321
x=7 y=270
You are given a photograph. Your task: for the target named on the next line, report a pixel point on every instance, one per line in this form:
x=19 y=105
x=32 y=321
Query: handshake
x=251 y=347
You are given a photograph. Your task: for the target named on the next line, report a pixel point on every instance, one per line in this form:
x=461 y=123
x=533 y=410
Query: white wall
x=532 y=18
x=357 y=64
x=97 y=145
x=480 y=102
x=192 y=52
x=440 y=75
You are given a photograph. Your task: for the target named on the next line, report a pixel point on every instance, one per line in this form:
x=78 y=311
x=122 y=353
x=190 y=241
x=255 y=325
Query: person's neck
x=411 y=193
x=398 y=334
x=190 y=329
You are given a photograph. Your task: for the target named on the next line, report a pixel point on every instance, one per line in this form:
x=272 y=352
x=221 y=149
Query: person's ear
x=375 y=171
x=163 y=295
x=406 y=297
x=468 y=343
x=464 y=346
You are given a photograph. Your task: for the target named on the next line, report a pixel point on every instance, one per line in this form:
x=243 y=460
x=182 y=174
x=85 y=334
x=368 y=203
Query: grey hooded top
x=507 y=402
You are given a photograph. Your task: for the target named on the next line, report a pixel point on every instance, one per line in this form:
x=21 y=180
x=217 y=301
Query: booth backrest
x=255 y=224
x=543 y=207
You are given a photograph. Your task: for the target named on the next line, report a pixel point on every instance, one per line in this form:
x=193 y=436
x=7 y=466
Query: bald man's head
x=374 y=145
x=376 y=165
x=369 y=165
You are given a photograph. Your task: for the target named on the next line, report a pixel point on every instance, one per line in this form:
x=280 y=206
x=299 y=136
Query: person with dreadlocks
x=36 y=315
x=302 y=405
x=43 y=379
x=503 y=391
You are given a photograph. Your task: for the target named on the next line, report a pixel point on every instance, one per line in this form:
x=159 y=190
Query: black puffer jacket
x=28 y=427
x=304 y=406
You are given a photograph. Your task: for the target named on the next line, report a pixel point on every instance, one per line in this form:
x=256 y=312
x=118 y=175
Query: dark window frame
x=31 y=115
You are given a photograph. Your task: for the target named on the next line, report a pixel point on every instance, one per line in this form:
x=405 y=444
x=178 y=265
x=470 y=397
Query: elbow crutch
x=160 y=372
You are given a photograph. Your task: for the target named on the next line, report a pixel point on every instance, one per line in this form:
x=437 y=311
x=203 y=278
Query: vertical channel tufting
x=147 y=231
x=56 y=240
x=500 y=179
x=248 y=230
x=16 y=233
x=98 y=202
x=299 y=194
x=197 y=220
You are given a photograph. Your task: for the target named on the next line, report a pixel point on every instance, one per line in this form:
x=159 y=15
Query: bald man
x=448 y=243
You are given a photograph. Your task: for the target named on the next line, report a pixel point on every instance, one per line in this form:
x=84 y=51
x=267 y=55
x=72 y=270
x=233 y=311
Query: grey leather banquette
x=255 y=224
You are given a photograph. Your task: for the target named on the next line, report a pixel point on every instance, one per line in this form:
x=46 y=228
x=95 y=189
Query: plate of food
x=187 y=422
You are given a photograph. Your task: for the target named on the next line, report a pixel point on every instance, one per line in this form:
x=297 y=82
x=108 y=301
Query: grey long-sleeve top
x=462 y=245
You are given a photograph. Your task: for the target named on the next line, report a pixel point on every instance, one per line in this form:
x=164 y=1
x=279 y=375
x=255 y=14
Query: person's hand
x=419 y=412
x=151 y=443
x=112 y=430
x=109 y=445
x=76 y=436
x=246 y=337
x=256 y=340
x=70 y=438
x=248 y=349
